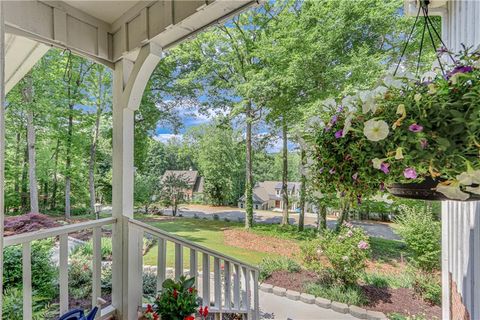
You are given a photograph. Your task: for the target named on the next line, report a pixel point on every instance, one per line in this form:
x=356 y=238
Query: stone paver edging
x=355 y=311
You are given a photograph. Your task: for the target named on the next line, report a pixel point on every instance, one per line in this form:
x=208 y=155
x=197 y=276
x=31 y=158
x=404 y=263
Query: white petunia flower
x=399 y=153
x=377 y=163
x=390 y=81
x=452 y=191
x=347 y=124
x=375 y=130
x=330 y=102
x=475 y=190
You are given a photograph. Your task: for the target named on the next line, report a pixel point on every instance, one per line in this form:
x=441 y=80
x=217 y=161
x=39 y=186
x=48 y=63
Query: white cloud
x=165 y=137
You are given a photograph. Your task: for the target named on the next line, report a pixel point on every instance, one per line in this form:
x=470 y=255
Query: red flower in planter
x=175 y=293
x=190 y=290
x=189 y=318
x=205 y=311
x=149 y=308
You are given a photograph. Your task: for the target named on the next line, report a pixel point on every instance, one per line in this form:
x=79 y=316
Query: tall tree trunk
x=342 y=217
x=32 y=164
x=17 y=169
x=45 y=195
x=24 y=190
x=285 y=173
x=27 y=94
x=249 y=173
x=322 y=218
x=68 y=163
x=53 y=201
x=303 y=187
x=93 y=146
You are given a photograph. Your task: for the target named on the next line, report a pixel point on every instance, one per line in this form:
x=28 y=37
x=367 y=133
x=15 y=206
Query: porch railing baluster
x=228 y=286
x=27 y=280
x=63 y=270
x=178 y=260
x=217 y=284
x=194 y=265
x=97 y=267
x=236 y=287
x=161 y=262
x=206 y=279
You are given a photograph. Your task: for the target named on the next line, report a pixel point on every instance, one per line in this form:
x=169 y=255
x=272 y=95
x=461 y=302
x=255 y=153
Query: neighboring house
x=267 y=195
x=194 y=180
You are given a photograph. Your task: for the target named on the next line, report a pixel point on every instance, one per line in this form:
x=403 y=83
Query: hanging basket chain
x=428 y=26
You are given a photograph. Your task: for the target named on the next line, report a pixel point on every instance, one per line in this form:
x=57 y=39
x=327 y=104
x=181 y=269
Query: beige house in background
x=267 y=195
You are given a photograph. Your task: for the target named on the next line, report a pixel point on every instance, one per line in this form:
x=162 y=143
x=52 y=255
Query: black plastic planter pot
x=424 y=190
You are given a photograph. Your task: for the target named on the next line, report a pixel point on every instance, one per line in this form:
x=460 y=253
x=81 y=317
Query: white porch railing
x=232 y=287
x=231 y=290
x=25 y=240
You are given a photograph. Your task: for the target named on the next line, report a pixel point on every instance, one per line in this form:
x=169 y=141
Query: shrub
x=422 y=234
x=13 y=305
x=310 y=254
x=403 y=280
x=80 y=277
x=348 y=294
x=86 y=250
x=346 y=251
x=149 y=285
x=269 y=265
x=44 y=273
x=429 y=287
x=177 y=300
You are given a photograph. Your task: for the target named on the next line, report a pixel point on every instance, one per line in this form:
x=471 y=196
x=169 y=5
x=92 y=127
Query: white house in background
x=267 y=195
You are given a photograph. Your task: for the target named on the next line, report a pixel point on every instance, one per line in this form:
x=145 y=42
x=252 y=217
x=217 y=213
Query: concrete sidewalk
x=281 y=308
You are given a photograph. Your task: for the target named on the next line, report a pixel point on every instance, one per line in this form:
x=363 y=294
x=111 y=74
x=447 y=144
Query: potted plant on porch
x=417 y=138
x=178 y=300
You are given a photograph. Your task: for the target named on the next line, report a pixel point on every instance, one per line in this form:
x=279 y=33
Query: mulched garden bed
x=251 y=241
x=386 y=300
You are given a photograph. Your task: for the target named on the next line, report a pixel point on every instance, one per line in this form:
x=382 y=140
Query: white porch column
x=2 y=143
x=129 y=81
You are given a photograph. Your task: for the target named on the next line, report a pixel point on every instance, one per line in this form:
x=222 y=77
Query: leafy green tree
x=172 y=191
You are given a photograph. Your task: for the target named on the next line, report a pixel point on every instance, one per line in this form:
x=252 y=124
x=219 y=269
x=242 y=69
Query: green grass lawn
x=207 y=233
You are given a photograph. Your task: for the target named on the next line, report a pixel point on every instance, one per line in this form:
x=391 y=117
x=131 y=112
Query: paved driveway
x=374 y=229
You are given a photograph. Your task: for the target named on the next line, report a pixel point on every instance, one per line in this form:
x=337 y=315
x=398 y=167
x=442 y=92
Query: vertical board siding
x=461 y=255
x=63 y=270
x=461 y=220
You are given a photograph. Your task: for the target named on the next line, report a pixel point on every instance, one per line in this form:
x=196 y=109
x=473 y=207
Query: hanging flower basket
x=420 y=137
x=424 y=190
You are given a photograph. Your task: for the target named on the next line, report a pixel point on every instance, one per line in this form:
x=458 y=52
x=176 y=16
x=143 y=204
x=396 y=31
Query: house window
x=241 y=205
x=278 y=192
x=256 y=206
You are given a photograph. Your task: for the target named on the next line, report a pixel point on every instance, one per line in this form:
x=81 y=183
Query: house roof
x=266 y=190
x=189 y=175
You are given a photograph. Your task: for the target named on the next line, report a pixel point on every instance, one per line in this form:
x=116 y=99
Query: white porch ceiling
x=21 y=54
x=103 y=30
x=107 y=11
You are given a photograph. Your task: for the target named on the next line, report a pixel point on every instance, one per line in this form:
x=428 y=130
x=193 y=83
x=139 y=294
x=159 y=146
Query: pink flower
x=355 y=176
x=348 y=225
x=349 y=233
x=384 y=167
x=410 y=173
x=363 y=245
x=415 y=128
x=382 y=186
x=339 y=134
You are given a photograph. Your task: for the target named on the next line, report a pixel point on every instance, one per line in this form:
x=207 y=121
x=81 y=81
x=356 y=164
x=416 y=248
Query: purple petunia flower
x=321 y=169
x=340 y=109
x=328 y=127
x=332 y=171
x=424 y=143
x=460 y=69
x=410 y=173
x=334 y=119
x=384 y=167
x=415 y=128
x=355 y=176
x=339 y=134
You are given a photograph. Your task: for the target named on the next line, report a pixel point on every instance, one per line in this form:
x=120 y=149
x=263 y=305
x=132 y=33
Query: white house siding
x=461 y=220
